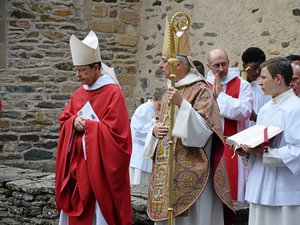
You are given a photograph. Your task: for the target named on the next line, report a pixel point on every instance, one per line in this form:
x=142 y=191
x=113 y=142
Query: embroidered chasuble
x=191 y=164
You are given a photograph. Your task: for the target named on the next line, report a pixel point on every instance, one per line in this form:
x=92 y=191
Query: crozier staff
x=198 y=149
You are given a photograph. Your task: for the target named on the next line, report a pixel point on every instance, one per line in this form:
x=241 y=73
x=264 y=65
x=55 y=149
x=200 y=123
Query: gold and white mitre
x=181 y=40
x=181 y=44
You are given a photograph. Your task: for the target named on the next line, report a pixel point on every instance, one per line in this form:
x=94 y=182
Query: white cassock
x=141 y=122
x=193 y=131
x=259 y=99
x=238 y=109
x=273 y=187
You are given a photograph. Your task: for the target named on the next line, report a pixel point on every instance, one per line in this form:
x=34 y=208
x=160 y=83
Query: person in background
x=201 y=193
x=142 y=120
x=234 y=98
x=199 y=67
x=295 y=83
x=94 y=146
x=273 y=185
x=252 y=58
x=294 y=58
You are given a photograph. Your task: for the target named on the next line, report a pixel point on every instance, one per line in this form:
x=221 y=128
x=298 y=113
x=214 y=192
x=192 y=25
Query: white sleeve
x=191 y=127
x=150 y=144
x=237 y=108
x=290 y=151
x=272 y=158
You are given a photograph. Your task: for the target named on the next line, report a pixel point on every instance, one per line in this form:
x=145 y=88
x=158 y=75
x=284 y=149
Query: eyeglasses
x=252 y=67
x=222 y=64
x=80 y=70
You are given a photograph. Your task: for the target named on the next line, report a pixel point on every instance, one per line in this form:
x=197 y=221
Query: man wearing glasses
x=235 y=101
x=252 y=58
x=94 y=147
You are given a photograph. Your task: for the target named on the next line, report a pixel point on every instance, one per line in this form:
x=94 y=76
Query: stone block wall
x=27 y=197
x=37 y=78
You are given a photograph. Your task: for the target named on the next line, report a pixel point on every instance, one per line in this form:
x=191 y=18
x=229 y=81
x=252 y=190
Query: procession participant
x=252 y=58
x=142 y=120
x=234 y=98
x=200 y=188
x=273 y=185
x=92 y=179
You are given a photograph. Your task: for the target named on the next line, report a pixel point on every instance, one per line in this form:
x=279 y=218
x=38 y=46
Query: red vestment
x=230 y=128
x=104 y=175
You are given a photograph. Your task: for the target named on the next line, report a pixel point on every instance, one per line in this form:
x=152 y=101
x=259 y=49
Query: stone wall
x=27 y=198
x=231 y=25
x=37 y=81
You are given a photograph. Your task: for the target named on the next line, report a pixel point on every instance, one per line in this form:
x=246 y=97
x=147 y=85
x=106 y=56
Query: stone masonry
x=27 y=198
x=37 y=79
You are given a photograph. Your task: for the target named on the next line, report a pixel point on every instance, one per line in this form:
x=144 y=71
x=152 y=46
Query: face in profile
x=165 y=67
x=267 y=82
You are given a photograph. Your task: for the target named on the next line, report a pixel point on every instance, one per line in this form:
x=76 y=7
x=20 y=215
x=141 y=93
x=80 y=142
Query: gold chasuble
x=191 y=164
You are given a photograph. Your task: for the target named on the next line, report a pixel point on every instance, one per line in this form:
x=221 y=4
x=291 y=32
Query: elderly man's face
x=87 y=75
x=219 y=64
x=165 y=67
x=295 y=83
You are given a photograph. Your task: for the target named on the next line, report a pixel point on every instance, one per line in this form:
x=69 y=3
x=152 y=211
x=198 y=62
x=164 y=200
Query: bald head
x=215 y=53
x=218 y=62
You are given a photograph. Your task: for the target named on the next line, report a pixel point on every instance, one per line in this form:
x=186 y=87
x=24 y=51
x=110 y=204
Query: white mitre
x=87 y=51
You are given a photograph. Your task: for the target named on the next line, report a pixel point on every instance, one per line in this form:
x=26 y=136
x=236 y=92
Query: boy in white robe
x=142 y=120
x=273 y=187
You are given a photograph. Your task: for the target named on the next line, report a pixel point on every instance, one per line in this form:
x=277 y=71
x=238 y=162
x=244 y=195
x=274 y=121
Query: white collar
x=283 y=96
x=100 y=82
x=188 y=79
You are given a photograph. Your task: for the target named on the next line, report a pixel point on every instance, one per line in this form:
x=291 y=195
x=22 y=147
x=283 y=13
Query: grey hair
x=184 y=60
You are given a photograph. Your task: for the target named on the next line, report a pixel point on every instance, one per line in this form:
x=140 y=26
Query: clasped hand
x=79 y=123
x=160 y=130
x=174 y=96
x=217 y=87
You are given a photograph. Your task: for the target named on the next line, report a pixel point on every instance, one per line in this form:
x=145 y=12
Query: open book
x=253 y=136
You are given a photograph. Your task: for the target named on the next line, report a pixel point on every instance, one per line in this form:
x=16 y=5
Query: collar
x=103 y=80
x=188 y=79
x=280 y=98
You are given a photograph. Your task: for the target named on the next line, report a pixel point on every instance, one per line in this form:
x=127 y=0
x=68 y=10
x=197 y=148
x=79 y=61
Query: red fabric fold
x=230 y=128
x=104 y=175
